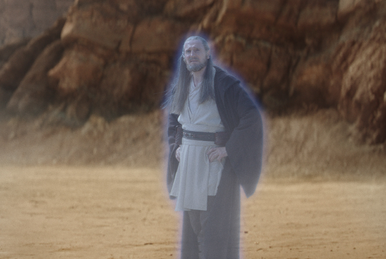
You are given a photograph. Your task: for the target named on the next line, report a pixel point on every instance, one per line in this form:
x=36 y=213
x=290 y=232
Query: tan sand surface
x=118 y=212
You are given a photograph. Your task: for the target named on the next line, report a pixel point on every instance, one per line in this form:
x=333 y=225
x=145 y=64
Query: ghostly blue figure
x=215 y=135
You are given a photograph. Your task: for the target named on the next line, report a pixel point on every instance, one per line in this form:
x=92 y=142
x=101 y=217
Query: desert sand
x=99 y=192
x=109 y=212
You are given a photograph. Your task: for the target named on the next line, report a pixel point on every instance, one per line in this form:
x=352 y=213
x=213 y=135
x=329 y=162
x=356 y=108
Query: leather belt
x=196 y=135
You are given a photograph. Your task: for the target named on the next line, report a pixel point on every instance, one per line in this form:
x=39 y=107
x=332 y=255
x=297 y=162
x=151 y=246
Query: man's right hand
x=178 y=152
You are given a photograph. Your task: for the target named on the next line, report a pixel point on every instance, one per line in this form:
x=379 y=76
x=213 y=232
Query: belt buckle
x=189 y=135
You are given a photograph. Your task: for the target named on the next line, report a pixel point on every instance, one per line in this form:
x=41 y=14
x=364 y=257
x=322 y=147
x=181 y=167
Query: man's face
x=195 y=55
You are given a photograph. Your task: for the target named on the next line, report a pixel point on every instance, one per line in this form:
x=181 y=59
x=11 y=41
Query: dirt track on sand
x=75 y=212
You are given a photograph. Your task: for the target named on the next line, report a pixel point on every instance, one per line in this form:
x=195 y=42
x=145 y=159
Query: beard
x=196 y=67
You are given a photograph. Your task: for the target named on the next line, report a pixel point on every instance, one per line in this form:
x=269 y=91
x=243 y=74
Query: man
x=215 y=137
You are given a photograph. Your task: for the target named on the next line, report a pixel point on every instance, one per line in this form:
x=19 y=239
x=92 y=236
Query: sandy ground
x=98 y=191
x=110 y=212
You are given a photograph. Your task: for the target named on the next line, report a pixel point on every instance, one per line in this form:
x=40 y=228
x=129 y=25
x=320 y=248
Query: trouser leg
x=217 y=229
x=198 y=221
x=189 y=242
x=216 y=232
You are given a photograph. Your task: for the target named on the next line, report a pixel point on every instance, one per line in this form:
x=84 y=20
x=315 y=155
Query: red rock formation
x=118 y=55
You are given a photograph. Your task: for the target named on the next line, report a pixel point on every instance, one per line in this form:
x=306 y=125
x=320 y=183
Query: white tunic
x=197 y=178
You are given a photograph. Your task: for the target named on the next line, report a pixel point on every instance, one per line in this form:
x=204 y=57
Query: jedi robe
x=243 y=124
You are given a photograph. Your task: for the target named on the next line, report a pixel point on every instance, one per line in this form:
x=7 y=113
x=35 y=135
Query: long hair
x=179 y=90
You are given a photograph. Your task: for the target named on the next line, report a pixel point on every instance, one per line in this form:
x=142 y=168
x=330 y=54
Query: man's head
x=195 y=53
x=195 y=57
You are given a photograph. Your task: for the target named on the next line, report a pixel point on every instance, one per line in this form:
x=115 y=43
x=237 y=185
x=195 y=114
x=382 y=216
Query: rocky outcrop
x=363 y=84
x=21 y=19
x=293 y=54
x=20 y=62
x=6 y=51
x=37 y=90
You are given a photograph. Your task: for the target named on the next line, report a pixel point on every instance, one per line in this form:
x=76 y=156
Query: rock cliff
x=114 y=57
x=21 y=19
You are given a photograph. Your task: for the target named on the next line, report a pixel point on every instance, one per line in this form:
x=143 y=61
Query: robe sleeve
x=174 y=139
x=245 y=145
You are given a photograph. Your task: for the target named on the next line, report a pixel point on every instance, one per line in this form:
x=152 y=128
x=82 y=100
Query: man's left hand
x=217 y=153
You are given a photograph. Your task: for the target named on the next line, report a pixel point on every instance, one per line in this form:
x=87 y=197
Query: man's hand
x=217 y=153
x=178 y=152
